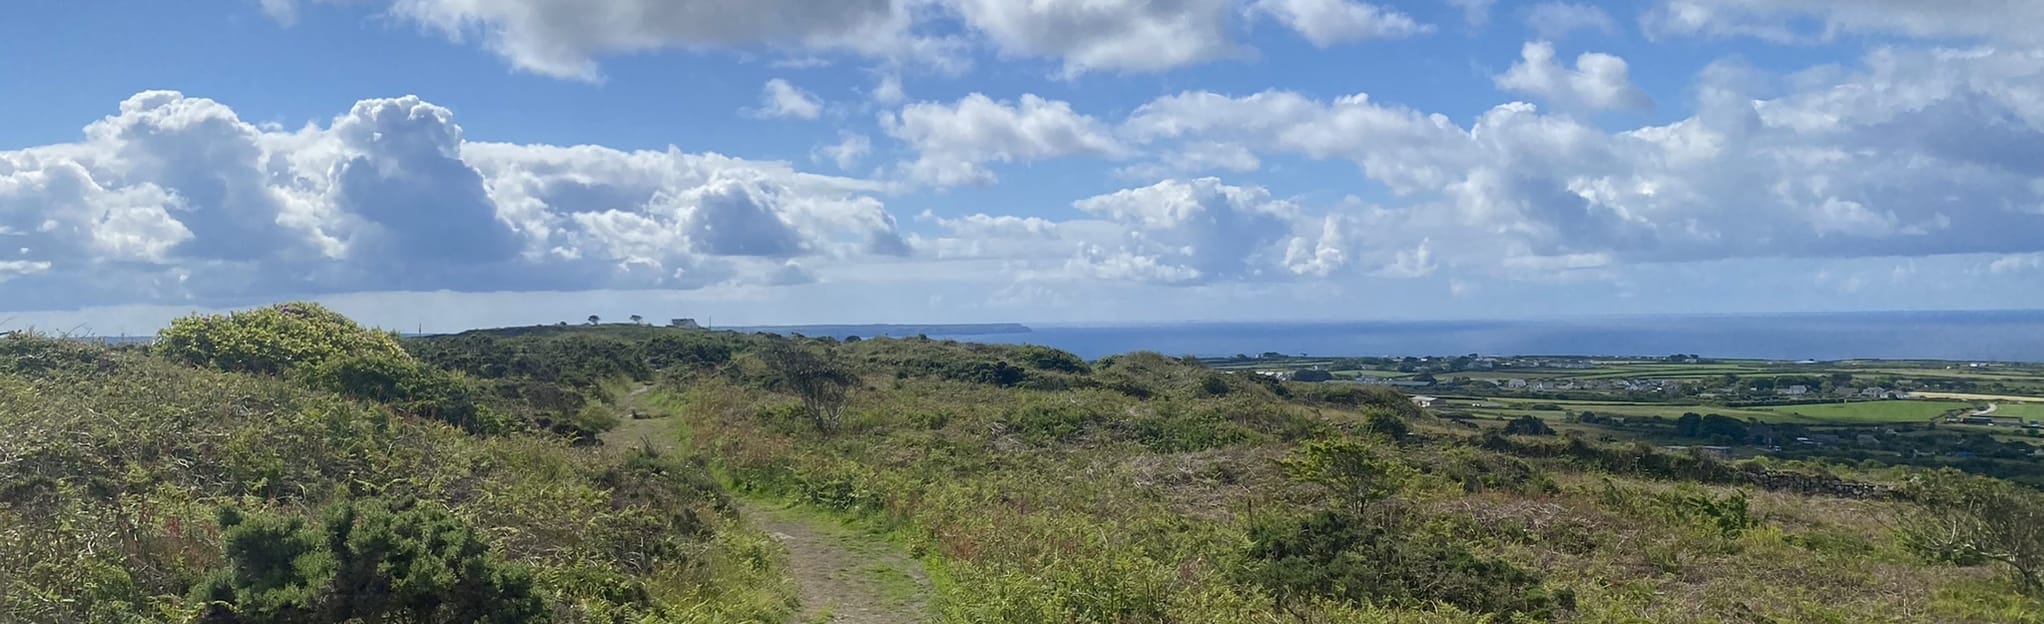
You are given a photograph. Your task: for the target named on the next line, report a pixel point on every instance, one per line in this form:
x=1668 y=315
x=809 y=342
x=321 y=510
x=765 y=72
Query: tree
x=1359 y=473
x=1689 y=424
x=1967 y=519
x=638 y=320
x=1722 y=427
x=594 y=319
x=822 y=384
x=1528 y=425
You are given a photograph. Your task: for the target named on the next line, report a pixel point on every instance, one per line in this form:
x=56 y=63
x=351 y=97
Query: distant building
x=1425 y=402
x=1796 y=390
x=684 y=323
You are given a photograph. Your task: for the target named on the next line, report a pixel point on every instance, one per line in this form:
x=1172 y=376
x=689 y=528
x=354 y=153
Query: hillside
x=1029 y=484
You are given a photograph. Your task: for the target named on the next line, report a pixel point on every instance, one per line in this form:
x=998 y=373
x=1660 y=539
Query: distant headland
x=873 y=330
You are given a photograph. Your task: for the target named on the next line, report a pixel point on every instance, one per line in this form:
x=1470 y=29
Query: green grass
x=2025 y=411
x=1869 y=412
x=1864 y=412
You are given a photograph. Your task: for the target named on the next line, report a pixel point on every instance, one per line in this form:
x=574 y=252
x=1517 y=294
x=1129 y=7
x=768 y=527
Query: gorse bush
x=1351 y=557
x=407 y=385
x=275 y=340
x=369 y=561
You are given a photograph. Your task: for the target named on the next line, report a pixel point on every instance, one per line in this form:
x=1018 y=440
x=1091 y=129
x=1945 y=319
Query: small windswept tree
x=594 y=319
x=822 y=383
x=1966 y=519
x=638 y=320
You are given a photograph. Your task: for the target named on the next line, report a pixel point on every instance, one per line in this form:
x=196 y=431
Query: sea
x=1997 y=336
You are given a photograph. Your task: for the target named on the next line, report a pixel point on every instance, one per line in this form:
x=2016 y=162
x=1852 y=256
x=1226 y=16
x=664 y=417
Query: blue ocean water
x=2007 y=336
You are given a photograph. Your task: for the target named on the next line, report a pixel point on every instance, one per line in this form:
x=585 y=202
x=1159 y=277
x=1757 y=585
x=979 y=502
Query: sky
x=445 y=164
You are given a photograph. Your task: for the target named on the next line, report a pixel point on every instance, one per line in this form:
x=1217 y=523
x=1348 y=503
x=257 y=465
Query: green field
x=1668 y=371
x=2025 y=411
x=1517 y=408
x=1865 y=412
x=1871 y=412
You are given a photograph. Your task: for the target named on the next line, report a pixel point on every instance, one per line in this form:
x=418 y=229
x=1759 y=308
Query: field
x=1968 y=396
x=1865 y=412
x=1868 y=412
x=2025 y=411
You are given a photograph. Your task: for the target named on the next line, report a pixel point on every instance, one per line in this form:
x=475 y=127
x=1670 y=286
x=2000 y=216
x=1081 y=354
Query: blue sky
x=455 y=163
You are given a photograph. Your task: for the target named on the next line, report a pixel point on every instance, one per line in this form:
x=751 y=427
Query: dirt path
x=844 y=575
x=630 y=433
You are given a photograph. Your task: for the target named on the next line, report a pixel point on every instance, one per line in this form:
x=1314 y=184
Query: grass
x=2025 y=411
x=1969 y=396
x=1868 y=412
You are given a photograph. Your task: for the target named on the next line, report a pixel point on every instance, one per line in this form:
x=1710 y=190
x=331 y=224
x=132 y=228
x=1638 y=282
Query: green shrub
x=1386 y=424
x=1000 y=374
x=1174 y=430
x=1528 y=425
x=1345 y=556
x=272 y=340
x=1047 y=421
x=1483 y=471
x=30 y=354
x=405 y=384
x=371 y=561
x=592 y=419
x=1046 y=358
x=1359 y=396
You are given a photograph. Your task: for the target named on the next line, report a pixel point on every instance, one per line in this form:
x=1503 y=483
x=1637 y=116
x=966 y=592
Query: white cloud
x=1476 y=12
x=175 y=199
x=1554 y=21
x=285 y=12
x=847 y=152
x=1916 y=153
x=1329 y=22
x=779 y=99
x=1194 y=158
x=2017 y=263
x=1109 y=35
x=563 y=37
x=889 y=90
x=1191 y=230
x=955 y=141
x=1598 y=82
x=2007 y=21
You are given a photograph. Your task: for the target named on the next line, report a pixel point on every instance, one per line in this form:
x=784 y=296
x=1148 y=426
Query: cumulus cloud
x=174 y=198
x=847 y=152
x=1476 y=12
x=779 y=99
x=2006 y=21
x=955 y=141
x=1111 y=35
x=1554 y=21
x=1913 y=153
x=563 y=37
x=1330 y=22
x=1598 y=82
x=1190 y=230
